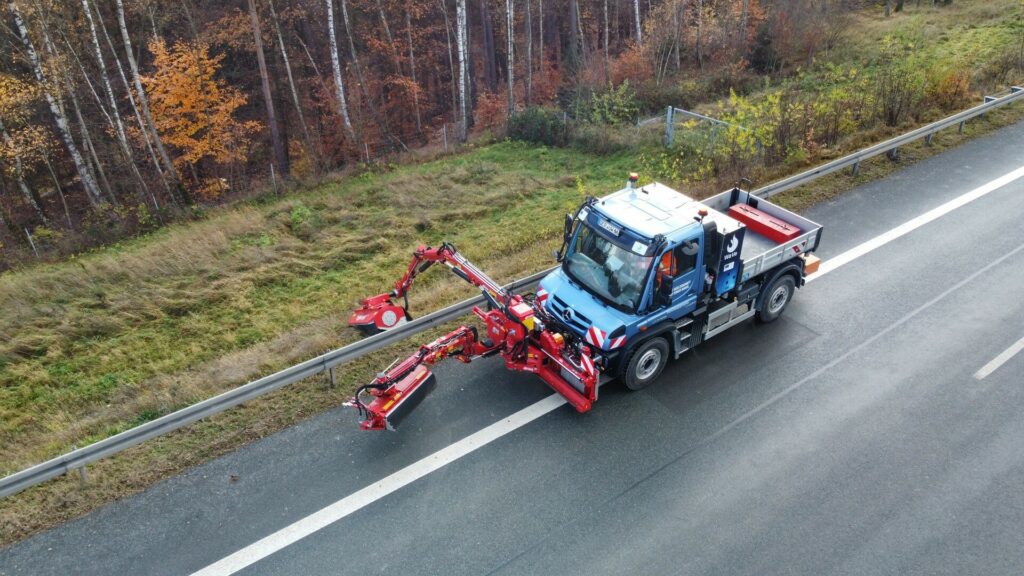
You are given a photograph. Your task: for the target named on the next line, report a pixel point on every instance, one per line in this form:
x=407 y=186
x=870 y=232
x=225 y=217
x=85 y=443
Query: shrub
x=616 y=105
x=540 y=126
x=899 y=82
x=948 y=89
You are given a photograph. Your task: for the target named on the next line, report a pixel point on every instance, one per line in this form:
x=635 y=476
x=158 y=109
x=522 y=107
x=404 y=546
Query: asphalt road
x=850 y=437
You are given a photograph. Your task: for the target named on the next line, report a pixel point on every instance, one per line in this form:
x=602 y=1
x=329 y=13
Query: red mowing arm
x=379 y=313
x=527 y=337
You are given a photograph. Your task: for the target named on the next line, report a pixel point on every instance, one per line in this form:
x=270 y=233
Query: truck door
x=678 y=280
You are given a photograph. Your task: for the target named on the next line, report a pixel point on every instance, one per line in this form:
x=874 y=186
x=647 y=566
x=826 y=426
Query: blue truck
x=648 y=273
x=645 y=274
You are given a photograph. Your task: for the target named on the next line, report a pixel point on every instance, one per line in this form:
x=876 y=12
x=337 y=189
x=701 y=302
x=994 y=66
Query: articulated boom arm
x=527 y=337
x=379 y=313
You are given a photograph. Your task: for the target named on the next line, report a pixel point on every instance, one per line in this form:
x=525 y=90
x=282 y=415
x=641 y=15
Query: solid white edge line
x=911 y=225
x=332 y=513
x=346 y=506
x=998 y=361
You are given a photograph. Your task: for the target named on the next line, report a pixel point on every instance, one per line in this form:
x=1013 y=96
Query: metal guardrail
x=78 y=459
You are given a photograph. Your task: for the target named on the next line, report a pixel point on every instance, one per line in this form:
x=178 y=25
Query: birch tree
x=510 y=55
x=412 y=71
x=168 y=164
x=88 y=182
x=529 y=53
x=636 y=16
x=122 y=137
x=19 y=172
x=462 y=43
x=339 y=84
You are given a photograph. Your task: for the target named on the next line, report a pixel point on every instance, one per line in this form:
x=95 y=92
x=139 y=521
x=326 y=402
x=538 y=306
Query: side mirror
x=568 y=226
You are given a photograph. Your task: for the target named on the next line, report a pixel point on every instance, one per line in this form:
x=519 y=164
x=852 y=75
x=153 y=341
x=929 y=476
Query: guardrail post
x=330 y=377
x=988 y=99
x=960 y=130
x=855 y=169
x=669 y=126
x=893 y=154
x=83 y=480
x=928 y=140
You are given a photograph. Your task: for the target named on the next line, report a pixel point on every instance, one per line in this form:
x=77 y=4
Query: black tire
x=644 y=364
x=775 y=298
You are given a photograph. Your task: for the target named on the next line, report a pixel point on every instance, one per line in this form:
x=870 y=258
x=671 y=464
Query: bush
x=899 y=83
x=540 y=126
x=617 y=105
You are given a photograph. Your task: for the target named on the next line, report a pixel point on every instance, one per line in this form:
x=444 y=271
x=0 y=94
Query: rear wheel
x=776 y=298
x=645 y=363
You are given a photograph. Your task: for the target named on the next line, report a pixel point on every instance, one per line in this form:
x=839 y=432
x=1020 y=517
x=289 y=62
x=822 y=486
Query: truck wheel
x=776 y=298
x=645 y=363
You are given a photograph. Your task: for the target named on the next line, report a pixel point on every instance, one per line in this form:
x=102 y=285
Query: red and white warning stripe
x=542 y=295
x=588 y=364
x=617 y=342
x=596 y=336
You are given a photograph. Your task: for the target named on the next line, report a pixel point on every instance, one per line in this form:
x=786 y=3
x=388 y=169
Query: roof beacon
x=631 y=184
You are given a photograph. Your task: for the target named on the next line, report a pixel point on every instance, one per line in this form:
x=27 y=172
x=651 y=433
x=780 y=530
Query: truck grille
x=578 y=321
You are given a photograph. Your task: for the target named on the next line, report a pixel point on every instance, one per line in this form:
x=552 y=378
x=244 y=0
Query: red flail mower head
x=389 y=404
x=377 y=314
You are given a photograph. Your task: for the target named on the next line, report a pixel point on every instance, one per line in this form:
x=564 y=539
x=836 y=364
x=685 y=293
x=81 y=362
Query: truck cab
x=648 y=272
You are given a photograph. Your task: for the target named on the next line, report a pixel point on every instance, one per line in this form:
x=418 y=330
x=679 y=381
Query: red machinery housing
x=520 y=330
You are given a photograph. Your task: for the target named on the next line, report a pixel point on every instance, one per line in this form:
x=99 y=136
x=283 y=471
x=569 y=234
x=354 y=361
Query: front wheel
x=645 y=363
x=776 y=298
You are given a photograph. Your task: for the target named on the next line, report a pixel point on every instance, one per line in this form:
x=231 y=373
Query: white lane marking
x=911 y=225
x=346 y=506
x=349 y=504
x=998 y=361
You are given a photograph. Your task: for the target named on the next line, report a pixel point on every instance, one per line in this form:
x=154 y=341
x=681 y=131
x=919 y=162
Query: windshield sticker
x=640 y=248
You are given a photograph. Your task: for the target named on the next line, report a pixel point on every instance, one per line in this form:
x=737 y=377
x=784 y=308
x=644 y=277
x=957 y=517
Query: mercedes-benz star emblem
x=567 y=313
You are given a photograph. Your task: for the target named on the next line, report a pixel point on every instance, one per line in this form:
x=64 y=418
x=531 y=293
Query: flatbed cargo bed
x=758 y=252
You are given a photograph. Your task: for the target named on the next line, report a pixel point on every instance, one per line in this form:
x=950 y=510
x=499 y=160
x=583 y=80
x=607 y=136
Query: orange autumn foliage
x=194 y=110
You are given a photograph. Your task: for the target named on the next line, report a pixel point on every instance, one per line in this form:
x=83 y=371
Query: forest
x=118 y=116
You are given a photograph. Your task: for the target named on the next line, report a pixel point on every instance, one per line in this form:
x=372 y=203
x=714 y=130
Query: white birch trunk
x=135 y=108
x=451 y=59
x=529 y=52
x=412 y=69
x=88 y=182
x=19 y=175
x=510 y=20
x=122 y=137
x=607 y=62
x=636 y=15
x=462 y=43
x=339 y=84
x=540 y=43
x=144 y=100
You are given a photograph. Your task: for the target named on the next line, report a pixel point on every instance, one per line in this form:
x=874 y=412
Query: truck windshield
x=607 y=270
